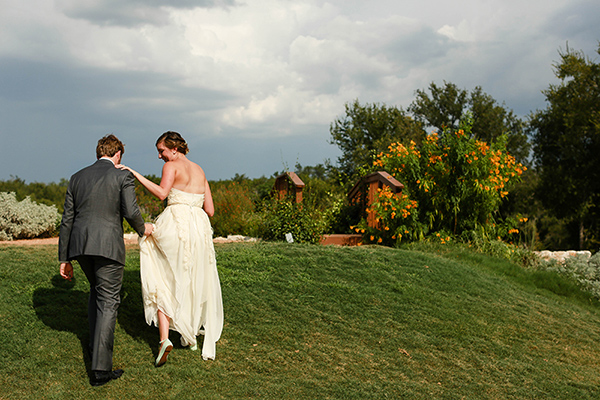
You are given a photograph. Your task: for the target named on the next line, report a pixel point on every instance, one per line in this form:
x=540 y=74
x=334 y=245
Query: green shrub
x=25 y=219
x=279 y=217
x=482 y=241
x=150 y=206
x=234 y=208
x=41 y=193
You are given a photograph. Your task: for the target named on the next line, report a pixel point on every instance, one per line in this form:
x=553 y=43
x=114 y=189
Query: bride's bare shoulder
x=198 y=169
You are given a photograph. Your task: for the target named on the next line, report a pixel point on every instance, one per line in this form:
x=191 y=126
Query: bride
x=180 y=283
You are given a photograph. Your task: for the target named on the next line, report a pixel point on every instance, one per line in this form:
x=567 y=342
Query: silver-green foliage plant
x=25 y=219
x=586 y=271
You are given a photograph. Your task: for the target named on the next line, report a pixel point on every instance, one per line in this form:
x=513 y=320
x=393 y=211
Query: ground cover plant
x=317 y=322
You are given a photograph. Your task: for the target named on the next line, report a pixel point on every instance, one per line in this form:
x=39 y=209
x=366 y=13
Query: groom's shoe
x=99 y=378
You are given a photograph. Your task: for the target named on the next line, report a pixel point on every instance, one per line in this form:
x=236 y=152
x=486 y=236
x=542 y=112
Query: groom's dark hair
x=108 y=146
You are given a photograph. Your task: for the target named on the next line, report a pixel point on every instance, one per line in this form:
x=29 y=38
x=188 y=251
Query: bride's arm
x=166 y=182
x=209 y=207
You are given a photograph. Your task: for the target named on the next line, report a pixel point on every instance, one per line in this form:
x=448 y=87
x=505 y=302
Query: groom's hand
x=66 y=270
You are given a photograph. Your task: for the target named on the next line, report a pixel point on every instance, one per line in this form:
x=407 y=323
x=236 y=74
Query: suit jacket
x=97 y=200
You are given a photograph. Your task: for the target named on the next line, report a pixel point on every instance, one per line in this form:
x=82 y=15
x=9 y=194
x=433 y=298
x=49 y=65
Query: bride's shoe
x=165 y=348
x=186 y=344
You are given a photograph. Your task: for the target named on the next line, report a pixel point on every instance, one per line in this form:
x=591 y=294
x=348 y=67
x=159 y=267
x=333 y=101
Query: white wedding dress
x=179 y=272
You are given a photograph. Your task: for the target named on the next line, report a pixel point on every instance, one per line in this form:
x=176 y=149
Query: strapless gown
x=179 y=272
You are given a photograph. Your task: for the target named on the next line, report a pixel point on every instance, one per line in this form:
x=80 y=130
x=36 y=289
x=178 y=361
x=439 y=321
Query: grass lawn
x=315 y=322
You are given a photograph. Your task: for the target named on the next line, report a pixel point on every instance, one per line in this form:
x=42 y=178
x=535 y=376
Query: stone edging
x=561 y=256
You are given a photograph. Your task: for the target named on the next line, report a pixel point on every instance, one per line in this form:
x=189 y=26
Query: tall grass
x=317 y=322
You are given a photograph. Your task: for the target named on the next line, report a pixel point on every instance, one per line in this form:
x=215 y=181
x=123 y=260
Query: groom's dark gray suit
x=91 y=232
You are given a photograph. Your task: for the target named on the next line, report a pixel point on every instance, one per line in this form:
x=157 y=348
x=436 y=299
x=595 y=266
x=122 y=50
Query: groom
x=91 y=232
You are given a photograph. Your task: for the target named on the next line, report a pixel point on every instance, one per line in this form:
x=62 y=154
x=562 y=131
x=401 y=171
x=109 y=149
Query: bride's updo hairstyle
x=173 y=140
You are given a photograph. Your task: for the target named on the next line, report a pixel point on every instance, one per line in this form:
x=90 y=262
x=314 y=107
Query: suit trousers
x=106 y=279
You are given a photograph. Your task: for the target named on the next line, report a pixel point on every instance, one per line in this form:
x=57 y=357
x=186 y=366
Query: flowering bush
x=25 y=219
x=452 y=184
x=234 y=209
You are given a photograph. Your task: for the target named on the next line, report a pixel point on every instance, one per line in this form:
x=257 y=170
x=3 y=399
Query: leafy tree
x=367 y=130
x=443 y=110
x=566 y=137
x=446 y=106
x=319 y=171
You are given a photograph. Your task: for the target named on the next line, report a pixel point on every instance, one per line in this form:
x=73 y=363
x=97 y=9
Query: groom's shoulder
x=85 y=171
x=100 y=168
x=122 y=175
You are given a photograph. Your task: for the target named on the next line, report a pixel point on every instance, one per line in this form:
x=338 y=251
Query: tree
x=446 y=107
x=367 y=130
x=443 y=110
x=566 y=137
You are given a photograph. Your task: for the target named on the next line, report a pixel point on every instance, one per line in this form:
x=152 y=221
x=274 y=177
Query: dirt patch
x=30 y=242
x=47 y=241
x=130 y=239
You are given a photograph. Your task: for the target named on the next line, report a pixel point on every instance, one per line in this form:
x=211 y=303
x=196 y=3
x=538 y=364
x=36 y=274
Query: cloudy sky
x=253 y=85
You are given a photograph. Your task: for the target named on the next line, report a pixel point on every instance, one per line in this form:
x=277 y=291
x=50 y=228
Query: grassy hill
x=314 y=322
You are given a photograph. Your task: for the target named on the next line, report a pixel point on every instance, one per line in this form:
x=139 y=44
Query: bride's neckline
x=183 y=191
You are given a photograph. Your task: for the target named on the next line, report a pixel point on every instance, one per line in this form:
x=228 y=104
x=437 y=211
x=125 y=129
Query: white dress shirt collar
x=106 y=158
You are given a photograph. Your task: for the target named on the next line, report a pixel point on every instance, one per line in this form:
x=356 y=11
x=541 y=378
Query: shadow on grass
x=131 y=312
x=132 y=318
x=64 y=309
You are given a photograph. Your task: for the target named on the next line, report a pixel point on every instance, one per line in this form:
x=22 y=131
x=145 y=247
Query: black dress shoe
x=99 y=378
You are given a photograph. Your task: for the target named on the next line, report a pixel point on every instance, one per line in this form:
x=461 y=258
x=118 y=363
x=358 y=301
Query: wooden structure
x=289 y=183
x=364 y=191
x=342 y=239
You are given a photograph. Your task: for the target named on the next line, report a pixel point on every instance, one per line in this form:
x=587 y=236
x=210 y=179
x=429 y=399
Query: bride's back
x=189 y=176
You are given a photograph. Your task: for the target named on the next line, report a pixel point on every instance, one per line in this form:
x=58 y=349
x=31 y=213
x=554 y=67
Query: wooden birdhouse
x=289 y=184
x=364 y=191
x=363 y=194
